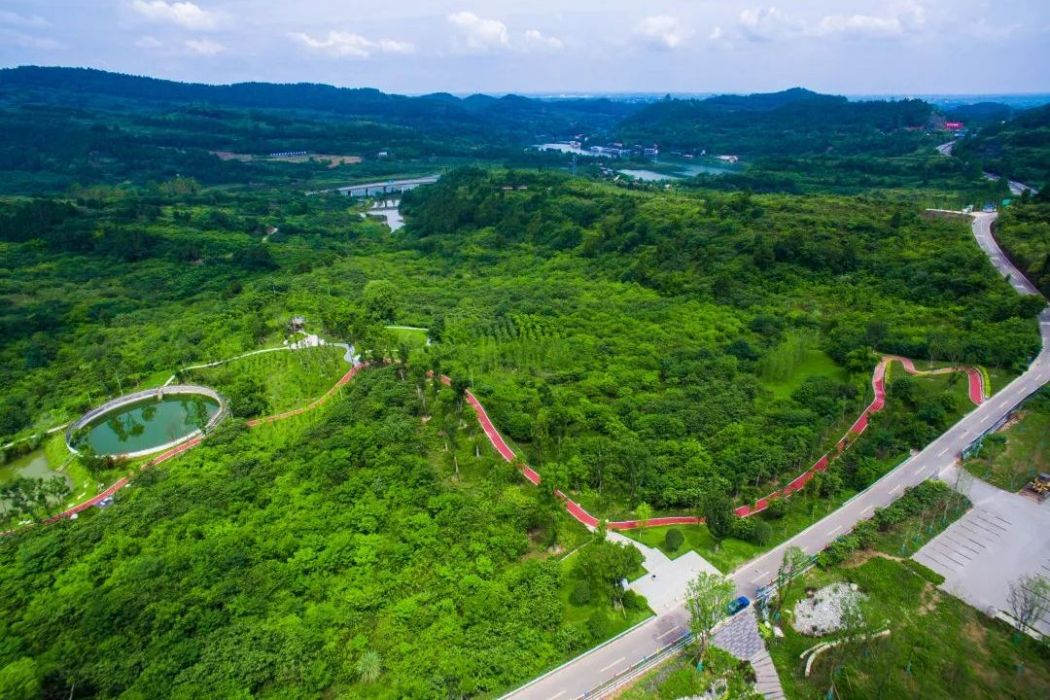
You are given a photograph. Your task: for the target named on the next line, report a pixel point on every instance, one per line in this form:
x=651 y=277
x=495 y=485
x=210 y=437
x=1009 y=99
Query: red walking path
x=878 y=383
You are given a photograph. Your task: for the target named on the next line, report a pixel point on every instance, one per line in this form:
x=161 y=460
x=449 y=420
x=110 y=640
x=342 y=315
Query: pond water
x=34 y=465
x=147 y=424
x=388 y=210
x=647 y=175
x=681 y=170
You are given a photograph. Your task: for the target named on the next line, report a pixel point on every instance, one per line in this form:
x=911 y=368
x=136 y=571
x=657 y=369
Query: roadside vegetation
x=936 y=646
x=1023 y=231
x=679 y=678
x=1018 y=452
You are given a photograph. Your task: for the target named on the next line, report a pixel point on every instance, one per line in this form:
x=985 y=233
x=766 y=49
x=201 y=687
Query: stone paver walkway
x=740 y=638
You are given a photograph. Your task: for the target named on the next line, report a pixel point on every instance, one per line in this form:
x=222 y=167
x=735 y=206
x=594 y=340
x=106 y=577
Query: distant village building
x=729 y=159
x=289 y=154
x=297 y=323
x=954 y=126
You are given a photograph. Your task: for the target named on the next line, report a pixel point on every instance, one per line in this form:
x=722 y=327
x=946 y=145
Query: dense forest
x=693 y=309
x=790 y=123
x=1018 y=149
x=1024 y=232
x=334 y=557
x=649 y=348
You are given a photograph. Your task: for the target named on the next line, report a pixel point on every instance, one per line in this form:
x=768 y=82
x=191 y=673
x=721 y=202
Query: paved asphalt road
x=604 y=663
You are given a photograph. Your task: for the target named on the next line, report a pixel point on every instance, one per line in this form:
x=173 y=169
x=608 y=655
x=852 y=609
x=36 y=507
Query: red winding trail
x=878 y=383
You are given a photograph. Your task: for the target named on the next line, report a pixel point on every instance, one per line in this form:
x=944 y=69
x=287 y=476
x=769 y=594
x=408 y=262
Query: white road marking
x=869 y=509
x=673 y=629
x=941 y=453
x=619 y=660
x=554 y=697
x=758 y=578
x=832 y=532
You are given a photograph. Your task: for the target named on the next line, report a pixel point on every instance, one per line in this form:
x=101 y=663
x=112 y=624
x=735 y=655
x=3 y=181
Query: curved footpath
x=597 y=672
x=878 y=382
x=976 y=394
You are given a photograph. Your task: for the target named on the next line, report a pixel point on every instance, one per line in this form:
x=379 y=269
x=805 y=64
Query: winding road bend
x=601 y=667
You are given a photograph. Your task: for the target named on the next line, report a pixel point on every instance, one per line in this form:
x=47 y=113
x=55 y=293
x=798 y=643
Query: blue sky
x=566 y=46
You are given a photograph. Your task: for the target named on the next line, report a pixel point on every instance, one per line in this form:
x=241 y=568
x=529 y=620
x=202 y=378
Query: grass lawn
x=290 y=379
x=938 y=646
x=815 y=364
x=1011 y=457
x=678 y=678
x=618 y=620
x=956 y=383
x=999 y=378
x=412 y=337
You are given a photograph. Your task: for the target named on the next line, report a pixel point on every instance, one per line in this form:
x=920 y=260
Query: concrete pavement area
x=1003 y=537
x=666 y=579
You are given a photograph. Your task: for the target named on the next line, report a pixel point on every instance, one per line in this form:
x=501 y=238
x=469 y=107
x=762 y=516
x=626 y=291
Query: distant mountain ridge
x=791 y=122
x=365 y=102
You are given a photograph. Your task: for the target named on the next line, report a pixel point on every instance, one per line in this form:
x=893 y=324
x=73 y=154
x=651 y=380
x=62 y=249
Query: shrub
x=838 y=550
x=673 y=539
x=776 y=509
x=599 y=625
x=752 y=530
x=633 y=601
x=743 y=529
x=582 y=593
x=763 y=532
x=865 y=532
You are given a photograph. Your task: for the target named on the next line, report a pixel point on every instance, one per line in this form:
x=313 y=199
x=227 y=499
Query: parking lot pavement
x=1003 y=537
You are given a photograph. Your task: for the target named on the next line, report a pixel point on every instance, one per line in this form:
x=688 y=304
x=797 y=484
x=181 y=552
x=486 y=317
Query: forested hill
x=438 y=111
x=1018 y=149
x=792 y=122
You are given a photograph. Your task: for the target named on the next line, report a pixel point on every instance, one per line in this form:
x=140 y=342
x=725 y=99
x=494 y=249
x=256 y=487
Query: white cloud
x=535 y=39
x=148 y=42
x=767 y=24
x=13 y=19
x=479 y=35
x=26 y=41
x=350 y=45
x=184 y=14
x=901 y=19
x=770 y=23
x=204 y=47
x=663 y=32
x=860 y=25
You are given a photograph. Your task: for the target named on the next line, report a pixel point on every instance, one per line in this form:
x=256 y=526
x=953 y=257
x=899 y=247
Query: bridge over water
x=371 y=189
